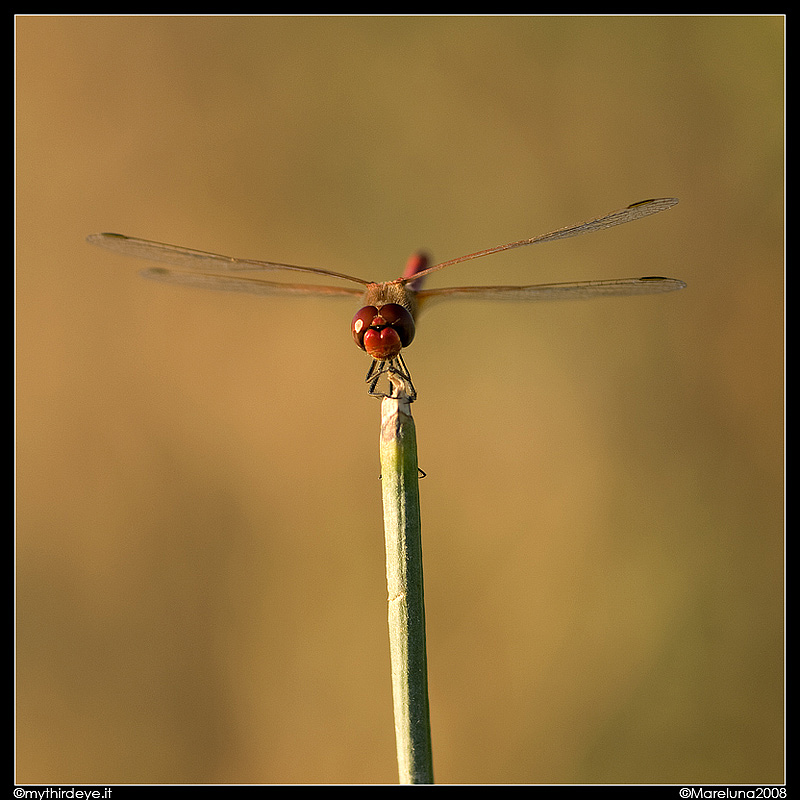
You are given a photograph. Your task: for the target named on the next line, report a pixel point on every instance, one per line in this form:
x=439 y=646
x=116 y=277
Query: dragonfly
x=385 y=323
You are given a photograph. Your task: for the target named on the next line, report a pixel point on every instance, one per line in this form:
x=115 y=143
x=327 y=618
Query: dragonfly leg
x=376 y=369
x=391 y=368
x=399 y=368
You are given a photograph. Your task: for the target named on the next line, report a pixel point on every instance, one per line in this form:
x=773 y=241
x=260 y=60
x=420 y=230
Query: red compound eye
x=401 y=320
x=361 y=322
x=383 y=332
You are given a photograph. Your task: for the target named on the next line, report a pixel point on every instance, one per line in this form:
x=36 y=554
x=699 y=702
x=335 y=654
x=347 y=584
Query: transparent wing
x=239 y=283
x=621 y=287
x=634 y=211
x=197 y=259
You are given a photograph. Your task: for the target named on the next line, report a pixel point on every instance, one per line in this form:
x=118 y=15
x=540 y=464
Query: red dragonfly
x=385 y=324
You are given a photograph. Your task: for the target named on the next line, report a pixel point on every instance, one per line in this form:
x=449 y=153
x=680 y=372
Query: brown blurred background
x=201 y=593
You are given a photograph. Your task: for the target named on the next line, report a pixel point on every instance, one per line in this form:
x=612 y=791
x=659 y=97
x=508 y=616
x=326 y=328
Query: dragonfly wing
x=198 y=259
x=644 y=208
x=621 y=287
x=239 y=283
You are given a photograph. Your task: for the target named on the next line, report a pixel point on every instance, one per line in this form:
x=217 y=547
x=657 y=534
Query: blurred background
x=201 y=592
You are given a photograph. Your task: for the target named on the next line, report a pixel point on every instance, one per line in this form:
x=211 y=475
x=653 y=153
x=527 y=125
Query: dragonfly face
x=385 y=324
x=383 y=332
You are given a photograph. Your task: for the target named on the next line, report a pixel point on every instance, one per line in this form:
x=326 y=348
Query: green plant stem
x=400 y=481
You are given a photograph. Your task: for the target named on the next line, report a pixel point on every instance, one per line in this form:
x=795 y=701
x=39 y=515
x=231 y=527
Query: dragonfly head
x=383 y=332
